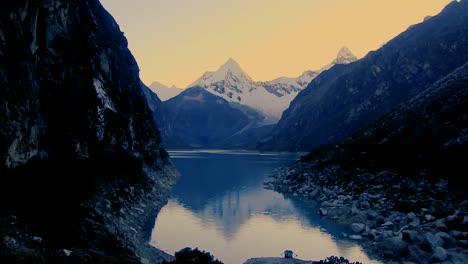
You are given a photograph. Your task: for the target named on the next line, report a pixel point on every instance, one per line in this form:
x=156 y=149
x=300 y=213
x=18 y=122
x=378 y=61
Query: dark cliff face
x=428 y=133
x=348 y=97
x=77 y=139
x=424 y=137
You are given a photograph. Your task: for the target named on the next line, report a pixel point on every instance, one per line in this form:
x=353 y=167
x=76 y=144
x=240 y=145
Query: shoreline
x=372 y=208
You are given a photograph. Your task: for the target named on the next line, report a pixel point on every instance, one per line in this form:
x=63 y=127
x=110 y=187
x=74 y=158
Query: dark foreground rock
x=82 y=173
x=329 y=260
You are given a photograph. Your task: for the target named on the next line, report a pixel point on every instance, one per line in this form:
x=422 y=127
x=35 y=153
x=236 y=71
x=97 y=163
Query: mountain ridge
x=345 y=98
x=271 y=98
x=164 y=92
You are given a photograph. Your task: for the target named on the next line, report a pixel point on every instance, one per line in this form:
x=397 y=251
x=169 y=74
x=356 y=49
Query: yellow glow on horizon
x=176 y=41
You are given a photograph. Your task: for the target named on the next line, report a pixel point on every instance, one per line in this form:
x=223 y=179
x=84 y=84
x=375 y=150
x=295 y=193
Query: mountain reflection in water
x=219 y=205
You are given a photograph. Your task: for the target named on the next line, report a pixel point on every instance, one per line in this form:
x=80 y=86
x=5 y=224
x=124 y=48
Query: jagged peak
x=157 y=84
x=344 y=56
x=229 y=68
x=231 y=65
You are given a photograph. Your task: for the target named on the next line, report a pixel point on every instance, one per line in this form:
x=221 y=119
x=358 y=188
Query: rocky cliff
x=197 y=118
x=349 y=97
x=82 y=173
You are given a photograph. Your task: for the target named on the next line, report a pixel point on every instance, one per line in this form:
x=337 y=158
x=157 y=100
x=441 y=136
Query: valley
x=362 y=158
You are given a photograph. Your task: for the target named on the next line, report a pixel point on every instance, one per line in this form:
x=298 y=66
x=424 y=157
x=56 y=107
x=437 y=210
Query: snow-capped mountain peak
x=231 y=66
x=230 y=72
x=271 y=98
x=344 y=56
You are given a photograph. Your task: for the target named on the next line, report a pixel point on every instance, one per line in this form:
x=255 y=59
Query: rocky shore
x=395 y=218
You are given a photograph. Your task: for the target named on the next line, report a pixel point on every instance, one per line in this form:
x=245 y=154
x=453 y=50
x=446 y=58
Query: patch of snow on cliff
x=102 y=95
x=106 y=103
x=34 y=46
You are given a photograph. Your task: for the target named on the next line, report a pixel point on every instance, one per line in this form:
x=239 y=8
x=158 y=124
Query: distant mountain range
x=271 y=98
x=327 y=105
x=226 y=108
x=164 y=92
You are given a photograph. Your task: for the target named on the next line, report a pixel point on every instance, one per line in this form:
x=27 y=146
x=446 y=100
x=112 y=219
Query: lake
x=219 y=205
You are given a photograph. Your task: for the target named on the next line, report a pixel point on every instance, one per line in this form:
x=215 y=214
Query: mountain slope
x=406 y=168
x=77 y=139
x=430 y=132
x=346 y=98
x=198 y=119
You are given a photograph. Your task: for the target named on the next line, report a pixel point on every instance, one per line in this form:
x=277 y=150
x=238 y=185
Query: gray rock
x=372 y=215
x=414 y=224
x=431 y=241
x=354 y=210
x=443 y=235
x=462 y=244
x=429 y=218
x=395 y=245
x=323 y=212
x=364 y=205
x=412 y=216
x=314 y=193
x=457 y=234
x=37 y=239
x=440 y=225
x=451 y=218
x=355 y=237
x=465 y=220
x=439 y=255
x=416 y=254
x=388 y=233
x=357 y=227
x=410 y=236
x=388 y=225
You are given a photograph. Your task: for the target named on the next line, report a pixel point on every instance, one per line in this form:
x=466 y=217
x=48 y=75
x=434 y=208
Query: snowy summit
x=270 y=98
x=345 y=56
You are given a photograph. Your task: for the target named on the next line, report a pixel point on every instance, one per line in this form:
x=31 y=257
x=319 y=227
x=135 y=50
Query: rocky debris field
x=329 y=260
x=395 y=218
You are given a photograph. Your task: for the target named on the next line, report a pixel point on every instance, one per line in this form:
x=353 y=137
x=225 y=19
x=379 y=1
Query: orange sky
x=176 y=41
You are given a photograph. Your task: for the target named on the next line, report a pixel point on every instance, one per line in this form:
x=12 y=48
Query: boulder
x=440 y=225
x=357 y=227
x=323 y=212
x=388 y=225
x=416 y=254
x=411 y=216
x=414 y=224
x=410 y=236
x=439 y=255
x=457 y=234
x=431 y=241
x=355 y=237
x=395 y=245
x=429 y=218
x=465 y=220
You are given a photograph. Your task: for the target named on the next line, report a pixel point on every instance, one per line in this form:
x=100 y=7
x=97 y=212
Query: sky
x=176 y=41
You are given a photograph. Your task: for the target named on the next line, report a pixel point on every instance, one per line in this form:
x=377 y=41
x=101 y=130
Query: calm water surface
x=219 y=205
